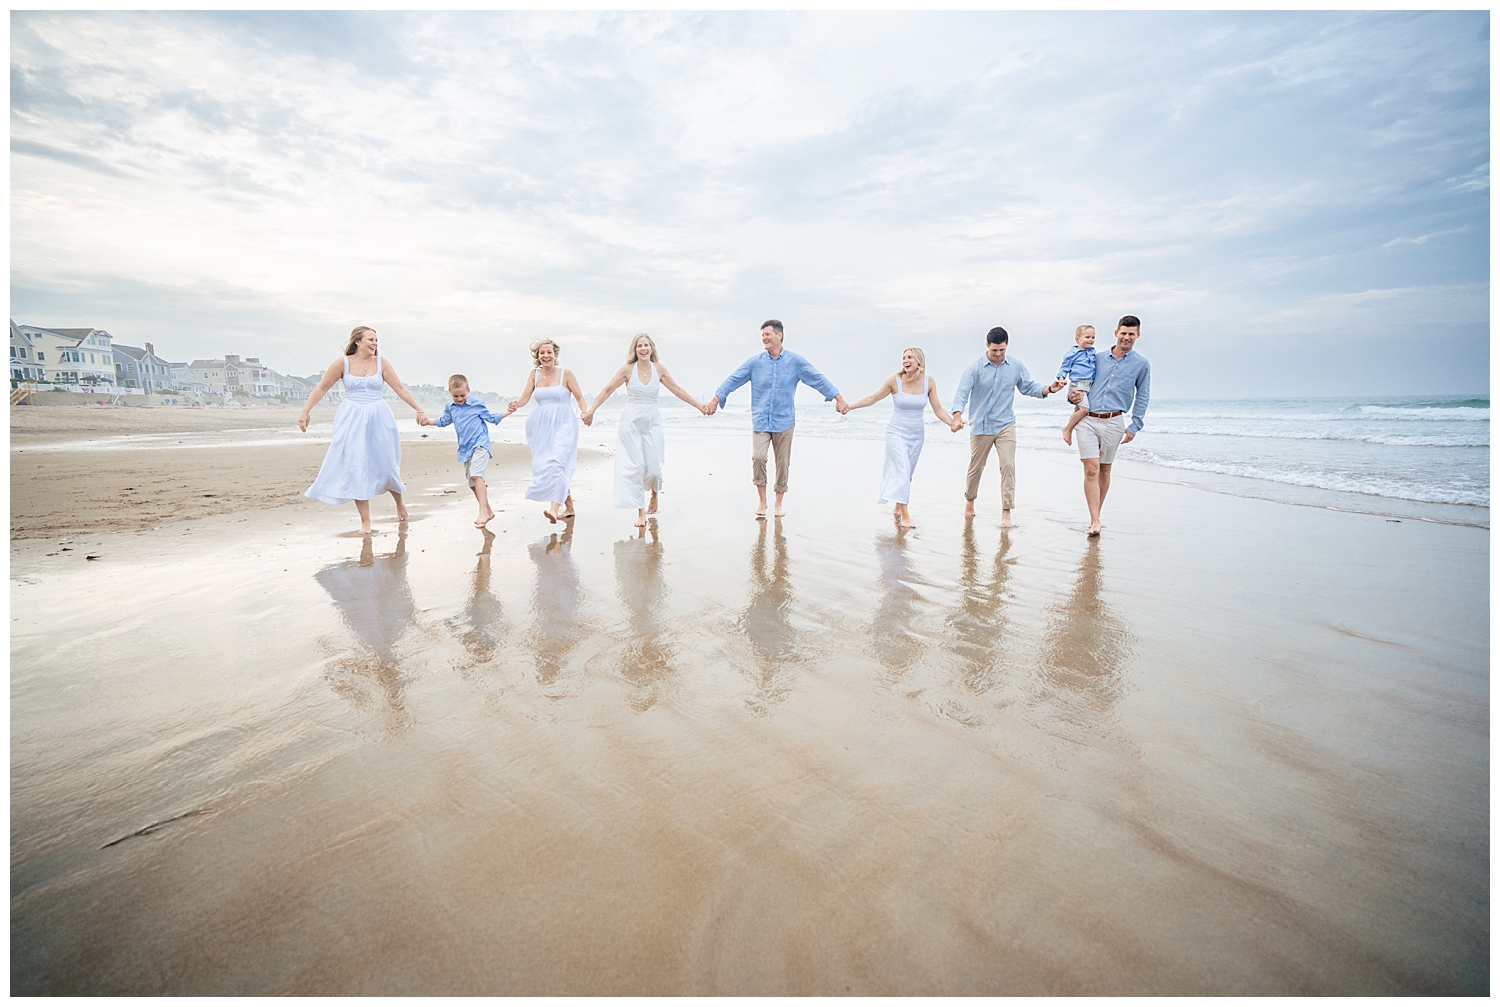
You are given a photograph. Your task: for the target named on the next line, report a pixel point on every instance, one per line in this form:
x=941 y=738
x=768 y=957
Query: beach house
x=80 y=358
x=140 y=367
x=231 y=375
x=24 y=365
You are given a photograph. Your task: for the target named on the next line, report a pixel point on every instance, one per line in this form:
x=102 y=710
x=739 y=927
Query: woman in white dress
x=551 y=430
x=641 y=446
x=904 y=435
x=364 y=458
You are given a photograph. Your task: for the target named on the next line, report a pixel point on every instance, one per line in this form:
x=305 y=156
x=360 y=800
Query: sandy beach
x=1234 y=746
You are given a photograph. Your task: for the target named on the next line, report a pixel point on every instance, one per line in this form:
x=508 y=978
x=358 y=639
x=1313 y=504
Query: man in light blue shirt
x=992 y=382
x=1122 y=384
x=773 y=377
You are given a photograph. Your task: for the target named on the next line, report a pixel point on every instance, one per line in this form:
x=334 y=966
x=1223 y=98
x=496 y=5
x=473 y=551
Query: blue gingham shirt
x=468 y=422
x=773 y=387
x=1078 y=365
x=993 y=388
x=1123 y=384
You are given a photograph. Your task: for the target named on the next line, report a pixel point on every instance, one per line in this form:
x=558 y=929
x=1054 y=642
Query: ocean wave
x=1343 y=482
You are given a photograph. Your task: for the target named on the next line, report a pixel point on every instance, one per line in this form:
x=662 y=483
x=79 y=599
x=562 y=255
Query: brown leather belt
x=1108 y=416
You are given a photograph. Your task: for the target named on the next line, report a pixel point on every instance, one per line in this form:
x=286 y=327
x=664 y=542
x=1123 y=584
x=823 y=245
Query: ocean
x=1423 y=457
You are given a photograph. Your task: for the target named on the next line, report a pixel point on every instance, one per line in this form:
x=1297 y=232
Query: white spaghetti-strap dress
x=904 y=436
x=552 y=433
x=364 y=458
x=642 y=445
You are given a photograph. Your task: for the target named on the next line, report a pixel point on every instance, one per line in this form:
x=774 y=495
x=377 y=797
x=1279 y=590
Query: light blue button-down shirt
x=993 y=388
x=1118 y=382
x=773 y=387
x=1078 y=365
x=469 y=422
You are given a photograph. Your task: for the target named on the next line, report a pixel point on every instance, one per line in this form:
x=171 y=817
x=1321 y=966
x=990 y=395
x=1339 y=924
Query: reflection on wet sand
x=375 y=603
x=979 y=622
x=556 y=609
x=894 y=637
x=481 y=622
x=647 y=659
x=1085 y=648
x=766 y=621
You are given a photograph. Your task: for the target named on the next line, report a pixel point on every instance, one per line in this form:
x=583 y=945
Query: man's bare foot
x=969 y=509
x=1067 y=437
x=780 y=511
x=652 y=509
x=1005 y=521
x=761 y=510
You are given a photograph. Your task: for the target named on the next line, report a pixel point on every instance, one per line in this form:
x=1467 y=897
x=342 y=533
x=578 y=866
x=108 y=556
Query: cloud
x=478 y=180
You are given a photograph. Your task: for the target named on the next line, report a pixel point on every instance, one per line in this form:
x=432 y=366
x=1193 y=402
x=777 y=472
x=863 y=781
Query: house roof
x=134 y=351
x=69 y=333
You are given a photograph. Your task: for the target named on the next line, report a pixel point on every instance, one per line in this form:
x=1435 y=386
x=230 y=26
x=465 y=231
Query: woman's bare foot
x=365 y=529
x=547 y=513
x=907 y=522
x=567 y=508
x=640 y=517
x=652 y=509
x=1094 y=530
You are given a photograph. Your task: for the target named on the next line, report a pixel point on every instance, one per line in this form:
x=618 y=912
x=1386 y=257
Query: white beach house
x=79 y=358
x=24 y=365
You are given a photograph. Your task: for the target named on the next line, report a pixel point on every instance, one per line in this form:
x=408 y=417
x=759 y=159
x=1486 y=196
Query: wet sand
x=1234 y=746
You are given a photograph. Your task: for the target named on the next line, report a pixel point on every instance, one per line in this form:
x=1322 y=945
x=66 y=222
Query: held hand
x=958 y=422
x=588 y=418
x=1057 y=386
x=841 y=405
x=1127 y=438
x=510 y=407
x=713 y=405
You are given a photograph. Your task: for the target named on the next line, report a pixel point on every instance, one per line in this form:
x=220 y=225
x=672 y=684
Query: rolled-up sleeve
x=965 y=389
x=493 y=417
x=1142 y=399
x=1026 y=386
x=445 y=419
x=735 y=380
x=814 y=379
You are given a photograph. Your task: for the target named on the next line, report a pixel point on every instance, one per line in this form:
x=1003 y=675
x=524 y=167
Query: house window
x=13 y=353
x=40 y=355
x=23 y=353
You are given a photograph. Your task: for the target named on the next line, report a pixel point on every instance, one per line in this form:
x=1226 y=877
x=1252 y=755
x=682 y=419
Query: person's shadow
x=766 y=621
x=894 y=633
x=482 y=622
x=646 y=662
x=556 y=606
x=1085 y=649
x=374 y=602
x=979 y=623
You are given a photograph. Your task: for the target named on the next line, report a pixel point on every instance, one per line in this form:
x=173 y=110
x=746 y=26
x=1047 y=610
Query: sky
x=1293 y=203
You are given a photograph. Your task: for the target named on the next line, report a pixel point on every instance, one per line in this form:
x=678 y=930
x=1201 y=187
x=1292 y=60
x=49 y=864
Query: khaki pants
x=1004 y=444
x=782 y=442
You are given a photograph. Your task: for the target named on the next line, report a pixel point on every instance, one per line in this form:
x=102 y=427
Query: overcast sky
x=1293 y=203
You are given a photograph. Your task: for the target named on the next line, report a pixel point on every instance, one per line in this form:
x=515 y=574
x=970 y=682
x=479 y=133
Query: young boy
x=1078 y=367
x=469 y=419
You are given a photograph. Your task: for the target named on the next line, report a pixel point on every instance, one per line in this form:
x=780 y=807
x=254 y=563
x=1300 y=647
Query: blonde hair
x=556 y=350
x=921 y=358
x=630 y=359
x=1081 y=330
x=354 y=337
x=457 y=381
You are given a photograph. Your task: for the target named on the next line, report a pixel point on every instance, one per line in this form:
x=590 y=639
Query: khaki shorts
x=1098 y=438
x=477 y=463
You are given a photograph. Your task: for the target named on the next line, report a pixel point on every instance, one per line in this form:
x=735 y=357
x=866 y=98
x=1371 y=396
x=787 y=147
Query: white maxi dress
x=904 y=436
x=641 y=446
x=364 y=458
x=552 y=433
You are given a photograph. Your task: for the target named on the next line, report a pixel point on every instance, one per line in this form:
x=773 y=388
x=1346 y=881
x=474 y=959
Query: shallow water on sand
x=1234 y=746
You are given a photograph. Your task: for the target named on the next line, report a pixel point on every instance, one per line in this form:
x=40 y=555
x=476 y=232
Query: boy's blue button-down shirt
x=993 y=388
x=1122 y=384
x=1078 y=365
x=469 y=422
x=773 y=387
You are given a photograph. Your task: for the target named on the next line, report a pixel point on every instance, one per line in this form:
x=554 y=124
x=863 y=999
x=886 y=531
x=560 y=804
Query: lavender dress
x=364 y=459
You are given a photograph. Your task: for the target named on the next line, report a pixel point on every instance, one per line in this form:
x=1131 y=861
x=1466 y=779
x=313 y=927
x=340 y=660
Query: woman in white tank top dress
x=913 y=391
x=641 y=445
x=364 y=458
x=551 y=431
